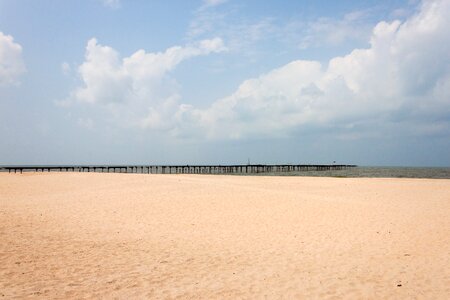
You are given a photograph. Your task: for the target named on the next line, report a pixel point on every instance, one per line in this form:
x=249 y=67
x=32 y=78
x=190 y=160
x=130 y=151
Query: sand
x=91 y=235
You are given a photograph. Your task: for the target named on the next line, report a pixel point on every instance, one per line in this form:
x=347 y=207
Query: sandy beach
x=92 y=235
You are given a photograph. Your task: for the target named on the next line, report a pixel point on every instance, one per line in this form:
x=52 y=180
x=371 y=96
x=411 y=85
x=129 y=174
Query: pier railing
x=176 y=169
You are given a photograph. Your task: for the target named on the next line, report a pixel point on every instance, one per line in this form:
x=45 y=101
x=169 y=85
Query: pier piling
x=178 y=169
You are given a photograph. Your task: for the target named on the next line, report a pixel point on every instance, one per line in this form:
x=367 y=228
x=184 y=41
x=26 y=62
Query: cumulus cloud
x=402 y=80
x=404 y=74
x=137 y=88
x=11 y=61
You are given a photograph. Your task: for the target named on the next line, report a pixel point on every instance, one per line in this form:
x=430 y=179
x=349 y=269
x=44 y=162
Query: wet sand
x=91 y=235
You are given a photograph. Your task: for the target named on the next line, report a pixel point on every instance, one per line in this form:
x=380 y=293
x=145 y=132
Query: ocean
x=377 y=172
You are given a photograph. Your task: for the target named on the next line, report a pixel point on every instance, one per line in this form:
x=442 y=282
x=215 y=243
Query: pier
x=176 y=169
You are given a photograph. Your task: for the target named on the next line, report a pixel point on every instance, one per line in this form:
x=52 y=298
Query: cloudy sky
x=222 y=81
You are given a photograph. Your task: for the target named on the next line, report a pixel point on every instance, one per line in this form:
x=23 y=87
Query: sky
x=224 y=82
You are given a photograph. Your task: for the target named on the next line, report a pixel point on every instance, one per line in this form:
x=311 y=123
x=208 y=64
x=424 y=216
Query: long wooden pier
x=176 y=169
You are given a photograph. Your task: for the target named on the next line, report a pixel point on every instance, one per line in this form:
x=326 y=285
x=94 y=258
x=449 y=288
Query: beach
x=94 y=235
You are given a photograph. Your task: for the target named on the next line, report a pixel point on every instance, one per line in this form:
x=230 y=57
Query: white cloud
x=111 y=3
x=401 y=80
x=11 y=61
x=137 y=88
x=108 y=79
x=403 y=75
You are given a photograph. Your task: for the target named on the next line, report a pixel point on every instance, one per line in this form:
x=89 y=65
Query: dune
x=92 y=235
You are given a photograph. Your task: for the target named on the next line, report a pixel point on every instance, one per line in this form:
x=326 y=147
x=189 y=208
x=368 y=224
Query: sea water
x=385 y=172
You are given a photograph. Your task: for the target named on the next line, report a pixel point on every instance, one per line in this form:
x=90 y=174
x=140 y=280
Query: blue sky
x=115 y=81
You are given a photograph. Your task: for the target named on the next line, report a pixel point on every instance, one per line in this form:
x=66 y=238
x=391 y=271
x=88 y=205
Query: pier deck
x=175 y=169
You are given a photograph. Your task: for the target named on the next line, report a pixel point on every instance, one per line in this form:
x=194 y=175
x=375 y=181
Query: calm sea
x=386 y=172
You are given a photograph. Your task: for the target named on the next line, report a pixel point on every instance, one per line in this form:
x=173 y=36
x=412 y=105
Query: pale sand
x=80 y=235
